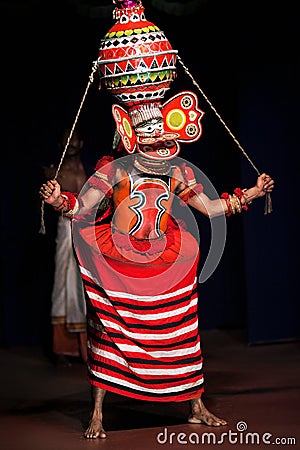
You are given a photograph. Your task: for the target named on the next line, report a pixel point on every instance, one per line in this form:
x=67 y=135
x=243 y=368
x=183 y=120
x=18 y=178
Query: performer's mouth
x=162 y=148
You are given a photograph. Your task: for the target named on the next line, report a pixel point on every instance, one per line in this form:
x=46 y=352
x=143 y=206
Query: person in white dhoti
x=68 y=311
x=68 y=308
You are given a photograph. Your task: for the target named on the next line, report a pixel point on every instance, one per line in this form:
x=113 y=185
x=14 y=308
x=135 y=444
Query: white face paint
x=153 y=127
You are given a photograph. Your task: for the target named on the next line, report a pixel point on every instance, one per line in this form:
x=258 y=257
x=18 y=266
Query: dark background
x=245 y=57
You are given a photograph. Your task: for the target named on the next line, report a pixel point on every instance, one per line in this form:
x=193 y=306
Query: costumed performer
x=138 y=262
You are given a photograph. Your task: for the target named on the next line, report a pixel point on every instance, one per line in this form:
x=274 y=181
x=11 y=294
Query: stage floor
x=255 y=388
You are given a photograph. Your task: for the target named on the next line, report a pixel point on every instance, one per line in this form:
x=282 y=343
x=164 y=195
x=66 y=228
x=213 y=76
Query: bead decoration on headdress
x=128 y=11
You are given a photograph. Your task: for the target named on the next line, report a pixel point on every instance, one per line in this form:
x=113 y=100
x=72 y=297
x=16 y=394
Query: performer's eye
x=147 y=129
x=169 y=144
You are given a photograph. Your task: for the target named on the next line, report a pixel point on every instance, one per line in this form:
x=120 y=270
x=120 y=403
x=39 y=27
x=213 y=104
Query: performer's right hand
x=50 y=193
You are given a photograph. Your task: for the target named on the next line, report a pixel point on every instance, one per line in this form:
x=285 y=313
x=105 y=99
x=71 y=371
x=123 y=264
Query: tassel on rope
x=268 y=201
x=42 y=229
x=268 y=204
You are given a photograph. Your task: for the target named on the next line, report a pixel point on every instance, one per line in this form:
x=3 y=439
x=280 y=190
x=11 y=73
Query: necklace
x=153 y=167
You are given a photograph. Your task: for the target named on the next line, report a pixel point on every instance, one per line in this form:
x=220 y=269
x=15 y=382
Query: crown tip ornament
x=122 y=4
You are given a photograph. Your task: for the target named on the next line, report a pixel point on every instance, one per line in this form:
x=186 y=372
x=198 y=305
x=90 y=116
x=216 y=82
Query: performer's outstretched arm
x=51 y=193
x=229 y=204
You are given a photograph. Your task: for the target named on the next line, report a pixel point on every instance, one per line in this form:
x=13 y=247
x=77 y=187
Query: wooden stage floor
x=255 y=388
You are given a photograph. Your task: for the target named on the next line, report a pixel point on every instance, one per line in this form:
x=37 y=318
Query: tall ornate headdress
x=137 y=64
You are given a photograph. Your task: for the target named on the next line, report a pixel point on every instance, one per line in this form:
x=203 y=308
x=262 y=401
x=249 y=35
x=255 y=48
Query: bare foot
x=199 y=414
x=95 y=430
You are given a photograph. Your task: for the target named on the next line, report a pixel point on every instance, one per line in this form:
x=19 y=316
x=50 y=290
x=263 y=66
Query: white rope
x=42 y=229
x=268 y=202
x=218 y=115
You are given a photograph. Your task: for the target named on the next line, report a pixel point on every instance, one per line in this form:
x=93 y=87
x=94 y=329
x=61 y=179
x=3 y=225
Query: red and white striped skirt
x=143 y=339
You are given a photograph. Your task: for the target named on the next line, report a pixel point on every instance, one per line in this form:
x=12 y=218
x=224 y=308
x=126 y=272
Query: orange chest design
x=142 y=205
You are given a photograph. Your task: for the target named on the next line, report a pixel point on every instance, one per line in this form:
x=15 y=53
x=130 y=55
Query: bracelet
x=63 y=204
x=190 y=192
x=69 y=205
x=71 y=212
x=233 y=202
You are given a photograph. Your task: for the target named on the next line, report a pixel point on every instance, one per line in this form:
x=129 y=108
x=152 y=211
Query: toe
x=217 y=422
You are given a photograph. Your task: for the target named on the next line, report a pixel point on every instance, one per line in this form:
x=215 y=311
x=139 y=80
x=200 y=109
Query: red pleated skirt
x=142 y=312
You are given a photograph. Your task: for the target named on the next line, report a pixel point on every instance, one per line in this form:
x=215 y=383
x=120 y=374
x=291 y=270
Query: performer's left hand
x=264 y=184
x=50 y=193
